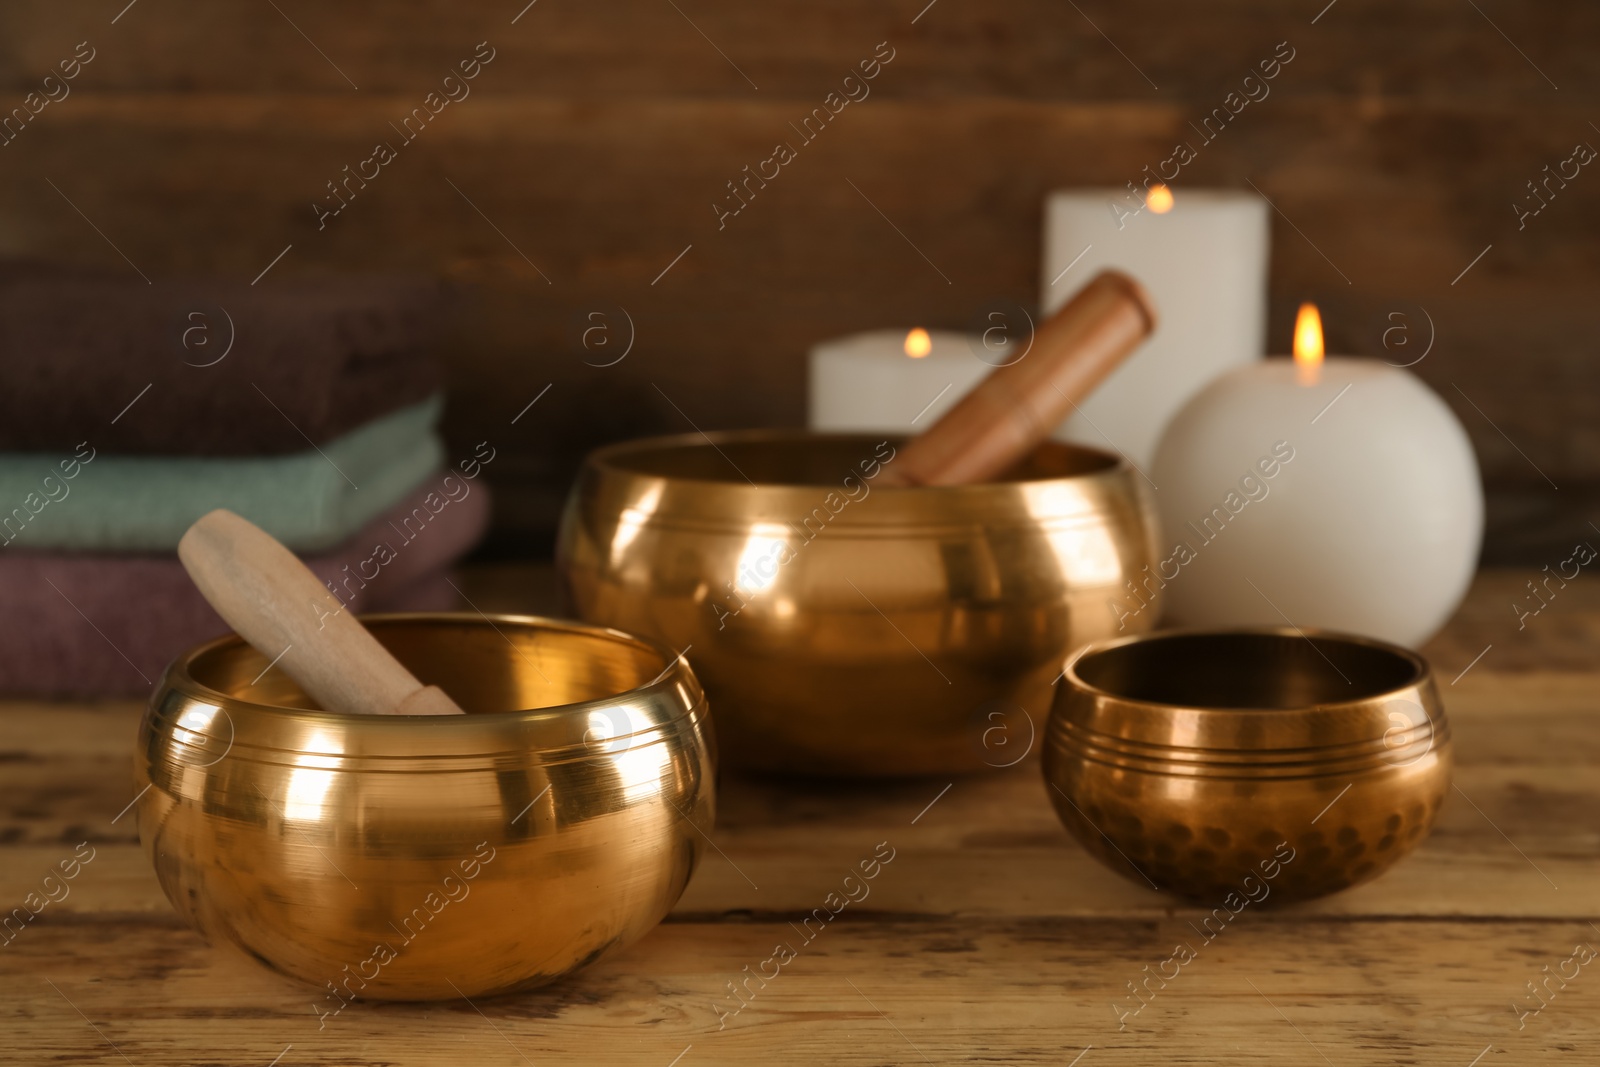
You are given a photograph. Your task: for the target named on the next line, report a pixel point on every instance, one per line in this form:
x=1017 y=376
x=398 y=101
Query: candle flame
x=1160 y=199
x=918 y=343
x=1308 y=348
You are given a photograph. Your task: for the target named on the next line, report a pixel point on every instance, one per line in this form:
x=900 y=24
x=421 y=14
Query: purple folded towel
x=205 y=367
x=102 y=625
x=432 y=592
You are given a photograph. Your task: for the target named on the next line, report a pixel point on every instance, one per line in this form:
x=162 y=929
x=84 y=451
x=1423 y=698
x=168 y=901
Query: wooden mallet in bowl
x=276 y=604
x=1011 y=412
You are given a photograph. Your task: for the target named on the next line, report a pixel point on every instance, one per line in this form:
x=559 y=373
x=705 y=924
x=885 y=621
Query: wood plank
x=1431 y=48
x=868 y=990
x=1561 y=637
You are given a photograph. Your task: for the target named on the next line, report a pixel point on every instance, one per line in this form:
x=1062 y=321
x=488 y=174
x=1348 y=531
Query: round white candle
x=870 y=381
x=1202 y=256
x=1345 y=496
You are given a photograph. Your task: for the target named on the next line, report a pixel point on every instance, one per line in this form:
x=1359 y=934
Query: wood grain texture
x=593 y=147
x=990 y=937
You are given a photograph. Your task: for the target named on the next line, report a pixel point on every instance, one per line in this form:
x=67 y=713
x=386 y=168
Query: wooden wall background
x=602 y=132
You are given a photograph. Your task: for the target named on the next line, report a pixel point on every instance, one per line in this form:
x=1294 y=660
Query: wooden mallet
x=1012 y=411
x=274 y=602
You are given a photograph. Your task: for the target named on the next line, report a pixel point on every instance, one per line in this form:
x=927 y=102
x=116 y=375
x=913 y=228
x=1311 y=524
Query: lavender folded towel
x=98 y=625
x=204 y=367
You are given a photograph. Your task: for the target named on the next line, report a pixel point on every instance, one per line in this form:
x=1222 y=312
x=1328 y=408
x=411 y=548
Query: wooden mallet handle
x=275 y=603
x=1016 y=407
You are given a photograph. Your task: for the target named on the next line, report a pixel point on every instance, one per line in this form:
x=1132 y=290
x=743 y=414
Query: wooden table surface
x=990 y=937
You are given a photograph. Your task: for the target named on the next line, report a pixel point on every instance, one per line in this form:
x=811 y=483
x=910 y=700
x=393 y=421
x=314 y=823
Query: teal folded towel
x=309 y=500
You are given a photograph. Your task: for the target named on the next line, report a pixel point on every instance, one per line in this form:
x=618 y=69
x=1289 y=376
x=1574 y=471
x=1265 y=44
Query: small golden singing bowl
x=847 y=628
x=1193 y=760
x=429 y=857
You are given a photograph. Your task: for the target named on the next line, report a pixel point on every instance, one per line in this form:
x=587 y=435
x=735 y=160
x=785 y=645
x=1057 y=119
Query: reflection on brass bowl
x=1259 y=762
x=427 y=857
x=842 y=628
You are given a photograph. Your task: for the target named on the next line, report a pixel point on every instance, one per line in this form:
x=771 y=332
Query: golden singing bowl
x=1252 y=762
x=428 y=857
x=843 y=628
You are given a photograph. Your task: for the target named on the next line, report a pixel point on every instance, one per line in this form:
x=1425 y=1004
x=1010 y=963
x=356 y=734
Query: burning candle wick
x=1308 y=347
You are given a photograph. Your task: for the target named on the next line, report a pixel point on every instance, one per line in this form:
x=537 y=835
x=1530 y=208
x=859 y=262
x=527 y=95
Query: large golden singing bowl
x=842 y=628
x=427 y=857
x=1258 y=762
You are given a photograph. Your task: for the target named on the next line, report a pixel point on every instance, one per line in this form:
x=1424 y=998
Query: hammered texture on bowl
x=1193 y=761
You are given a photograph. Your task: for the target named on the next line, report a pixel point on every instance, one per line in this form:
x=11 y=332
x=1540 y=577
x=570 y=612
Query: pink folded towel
x=92 y=625
x=432 y=592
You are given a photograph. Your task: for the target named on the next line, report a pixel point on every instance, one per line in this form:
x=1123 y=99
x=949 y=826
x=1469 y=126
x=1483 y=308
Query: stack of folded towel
x=120 y=425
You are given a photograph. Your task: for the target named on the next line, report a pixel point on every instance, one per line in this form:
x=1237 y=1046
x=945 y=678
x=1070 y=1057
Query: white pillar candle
x=1202 y=255
x=1340 y=494
x=895 y=380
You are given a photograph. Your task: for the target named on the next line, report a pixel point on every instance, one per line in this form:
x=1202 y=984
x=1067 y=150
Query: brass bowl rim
x=605 y=458
x=1422 y=671
x=178 y=677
